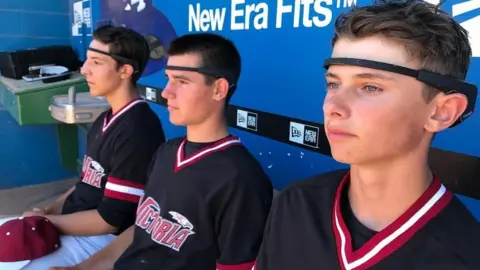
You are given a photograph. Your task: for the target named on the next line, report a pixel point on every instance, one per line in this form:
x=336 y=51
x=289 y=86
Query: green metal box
x=28 y=102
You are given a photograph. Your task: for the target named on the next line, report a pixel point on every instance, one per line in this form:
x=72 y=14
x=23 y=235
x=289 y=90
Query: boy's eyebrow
x=369 y=75
x=96 y=58
x=179 y=77
x=331 y=75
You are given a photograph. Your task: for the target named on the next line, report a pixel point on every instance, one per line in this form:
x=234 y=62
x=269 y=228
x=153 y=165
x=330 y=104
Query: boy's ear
x=221 y=89
x=447 y=110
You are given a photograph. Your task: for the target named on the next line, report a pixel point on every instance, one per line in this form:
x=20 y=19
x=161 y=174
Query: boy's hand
x=34 y=212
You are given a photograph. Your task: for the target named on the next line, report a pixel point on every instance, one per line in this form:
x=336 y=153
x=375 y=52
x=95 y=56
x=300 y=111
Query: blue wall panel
x=29 y=23
x=281 y=64
x=30 y=155
x=82 y=143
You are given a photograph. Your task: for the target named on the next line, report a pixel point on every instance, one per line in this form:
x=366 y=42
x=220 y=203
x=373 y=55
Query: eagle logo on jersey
x=181 y=220
x=92 y=172
x=161 y=230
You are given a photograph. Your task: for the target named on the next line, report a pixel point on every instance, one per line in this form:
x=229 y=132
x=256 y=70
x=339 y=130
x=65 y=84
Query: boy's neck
x=213 y=129
x=379 y=195
x=118 y=99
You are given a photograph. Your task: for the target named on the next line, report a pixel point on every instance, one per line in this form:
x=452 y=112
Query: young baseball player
x=394 y=79
x=207 y=198
x=120 y=146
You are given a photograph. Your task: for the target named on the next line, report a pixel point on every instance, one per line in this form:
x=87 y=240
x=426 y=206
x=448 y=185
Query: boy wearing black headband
x=120 y=145
x=207 y=198
x=394 y=79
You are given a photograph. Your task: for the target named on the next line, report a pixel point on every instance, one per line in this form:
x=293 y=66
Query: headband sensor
x=447 y=85
x=119 y=58
x=208 y=72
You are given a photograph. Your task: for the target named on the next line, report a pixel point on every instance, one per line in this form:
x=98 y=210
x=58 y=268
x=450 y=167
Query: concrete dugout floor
x=16 y=200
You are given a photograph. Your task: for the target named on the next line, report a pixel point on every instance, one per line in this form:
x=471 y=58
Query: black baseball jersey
x=311 y=226
x=204 y=208
x=119 y=150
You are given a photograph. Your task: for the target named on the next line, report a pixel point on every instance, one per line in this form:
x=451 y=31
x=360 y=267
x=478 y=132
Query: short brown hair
x=127 y=43
x=216 y=52
x=429 y=34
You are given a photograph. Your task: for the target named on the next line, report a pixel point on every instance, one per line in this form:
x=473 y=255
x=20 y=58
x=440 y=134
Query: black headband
x=207 y=71
x=443 y=83
x=119 y=58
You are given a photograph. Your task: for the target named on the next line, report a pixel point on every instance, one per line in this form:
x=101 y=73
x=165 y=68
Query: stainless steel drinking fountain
x=77 y=108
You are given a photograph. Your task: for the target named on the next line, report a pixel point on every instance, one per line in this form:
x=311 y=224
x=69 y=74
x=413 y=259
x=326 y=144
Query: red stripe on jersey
x=183 y=161
x=243 y=266
x=394 y=236
x=125 y=183
x=123 y=190
x=121 y=196
x=107 y=123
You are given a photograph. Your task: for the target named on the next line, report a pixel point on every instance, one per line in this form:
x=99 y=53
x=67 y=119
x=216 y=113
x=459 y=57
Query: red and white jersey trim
x=107 y=124
x=243 y=266
x=385 y=242
x=123 y=190
x=182 y=161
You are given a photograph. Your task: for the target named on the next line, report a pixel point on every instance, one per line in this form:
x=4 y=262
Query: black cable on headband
x=207 y=71
x=119 y=58
x=443 y=83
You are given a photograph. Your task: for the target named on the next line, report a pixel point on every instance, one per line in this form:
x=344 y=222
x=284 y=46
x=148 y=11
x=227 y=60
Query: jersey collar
x=394 y=236
x=107 y=123
x=182 y=161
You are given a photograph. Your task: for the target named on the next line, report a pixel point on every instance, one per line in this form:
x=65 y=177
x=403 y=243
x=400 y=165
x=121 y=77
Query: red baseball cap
x=26 y=238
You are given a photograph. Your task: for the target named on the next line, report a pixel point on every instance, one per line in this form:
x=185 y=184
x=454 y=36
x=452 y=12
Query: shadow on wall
x=28 y=154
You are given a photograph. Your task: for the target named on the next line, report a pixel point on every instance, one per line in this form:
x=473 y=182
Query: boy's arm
x=56 y=207
x=83 y=223
x=125 y=185
x=105 y=258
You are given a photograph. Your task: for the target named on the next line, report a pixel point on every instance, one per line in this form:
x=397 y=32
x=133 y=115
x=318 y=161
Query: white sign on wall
x=82 y=14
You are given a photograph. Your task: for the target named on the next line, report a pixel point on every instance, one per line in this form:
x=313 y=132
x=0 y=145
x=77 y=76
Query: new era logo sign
x=304 y=134
x=296 y=133
x=247 y=120
x=151 y=94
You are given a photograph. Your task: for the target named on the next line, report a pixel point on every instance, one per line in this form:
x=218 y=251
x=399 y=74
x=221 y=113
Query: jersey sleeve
x=263 y=256
x=241 y=221
x=127 y=177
